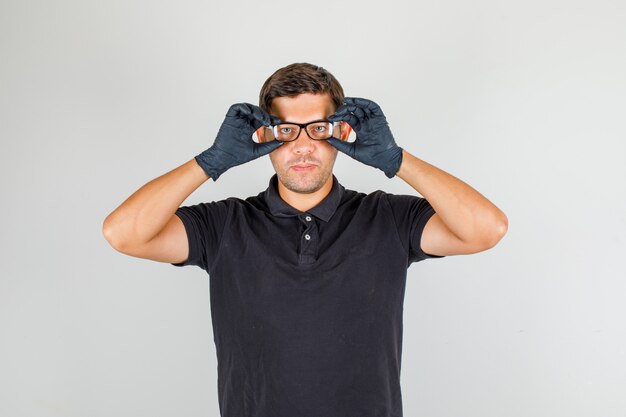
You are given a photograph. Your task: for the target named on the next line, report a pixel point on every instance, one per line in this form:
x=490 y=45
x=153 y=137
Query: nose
x=303 y=143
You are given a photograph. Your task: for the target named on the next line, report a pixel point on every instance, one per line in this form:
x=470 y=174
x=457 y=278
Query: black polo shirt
x=307 y=306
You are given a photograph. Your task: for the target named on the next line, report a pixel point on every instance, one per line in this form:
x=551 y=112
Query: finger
x=347 y=108
x=370 y=107
x=363 y=102
x=345 y=147
x=348 y=104
x=375 y=110
x=354 y=114
x=236 y=109
x=360 y=113
x=358 y=102
x=255 y=116
x=345 y=111
x=355 y=107
x=340 y=110
x=349 y=118
x=240 y=111
x=264 y=148
x=274 y=120
x=261 y=116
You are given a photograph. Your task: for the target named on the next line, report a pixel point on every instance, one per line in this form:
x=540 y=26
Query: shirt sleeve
x=204 y=224
x=411 y=213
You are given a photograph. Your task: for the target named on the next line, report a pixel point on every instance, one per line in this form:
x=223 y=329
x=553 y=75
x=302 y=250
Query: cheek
x=329 y=150
x=276 y=156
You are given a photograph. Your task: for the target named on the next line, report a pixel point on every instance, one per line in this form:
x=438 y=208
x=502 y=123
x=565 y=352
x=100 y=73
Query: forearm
x=146 y=212
x=466 y=212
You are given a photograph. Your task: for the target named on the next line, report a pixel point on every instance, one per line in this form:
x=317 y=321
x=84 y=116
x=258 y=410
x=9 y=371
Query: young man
x=307 y=278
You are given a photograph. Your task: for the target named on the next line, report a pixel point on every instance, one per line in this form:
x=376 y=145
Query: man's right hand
x=234 y=145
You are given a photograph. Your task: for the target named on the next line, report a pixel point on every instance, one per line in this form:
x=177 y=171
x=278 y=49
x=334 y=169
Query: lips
x=303 y=167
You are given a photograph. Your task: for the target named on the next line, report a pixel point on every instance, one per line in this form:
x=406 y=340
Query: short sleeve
x=411 y=213
x=204 y=224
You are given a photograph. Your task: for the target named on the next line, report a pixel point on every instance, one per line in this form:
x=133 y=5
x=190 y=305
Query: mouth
x=303 y=167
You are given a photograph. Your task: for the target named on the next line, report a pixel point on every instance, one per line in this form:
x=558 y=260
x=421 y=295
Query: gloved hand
x=374 y=144
x=234 y=145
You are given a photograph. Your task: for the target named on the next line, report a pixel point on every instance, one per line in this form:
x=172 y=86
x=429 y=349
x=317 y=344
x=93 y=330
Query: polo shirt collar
x=324 y=210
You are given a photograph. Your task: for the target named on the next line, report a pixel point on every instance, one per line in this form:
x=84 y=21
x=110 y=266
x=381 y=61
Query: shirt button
x=307 y=237
x=308 y=218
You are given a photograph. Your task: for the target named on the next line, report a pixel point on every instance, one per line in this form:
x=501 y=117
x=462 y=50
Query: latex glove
x=374 y=144
x=234 y=145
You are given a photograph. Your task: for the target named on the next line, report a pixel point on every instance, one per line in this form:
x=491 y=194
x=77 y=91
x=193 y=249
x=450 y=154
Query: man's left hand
x=374 y=144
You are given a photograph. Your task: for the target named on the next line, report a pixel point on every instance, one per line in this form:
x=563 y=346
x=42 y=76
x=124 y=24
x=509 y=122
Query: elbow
x=498 y=230
x=108 y=231
x=489 y=234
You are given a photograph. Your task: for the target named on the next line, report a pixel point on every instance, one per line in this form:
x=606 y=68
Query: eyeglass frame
x=304 y=125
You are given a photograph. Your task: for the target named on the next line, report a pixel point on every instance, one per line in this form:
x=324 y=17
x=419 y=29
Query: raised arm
x=465 y=221
x=145 y=225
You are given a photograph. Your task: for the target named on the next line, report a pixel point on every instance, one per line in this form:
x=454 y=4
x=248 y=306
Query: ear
x=346 y=129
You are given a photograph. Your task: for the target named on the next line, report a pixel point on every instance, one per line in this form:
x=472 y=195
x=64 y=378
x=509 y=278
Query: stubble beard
x=304 y=182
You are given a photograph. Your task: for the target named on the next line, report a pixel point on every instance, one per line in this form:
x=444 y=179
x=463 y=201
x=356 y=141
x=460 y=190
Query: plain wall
x=525 y=101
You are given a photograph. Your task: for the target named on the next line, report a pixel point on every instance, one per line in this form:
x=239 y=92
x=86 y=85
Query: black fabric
x=233 y=144
x=374 y=144
x=308 y=327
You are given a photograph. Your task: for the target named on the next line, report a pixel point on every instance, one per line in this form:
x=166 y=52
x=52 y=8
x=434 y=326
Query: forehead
x=303 y=107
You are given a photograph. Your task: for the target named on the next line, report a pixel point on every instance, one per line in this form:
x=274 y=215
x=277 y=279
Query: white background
x=523 y=100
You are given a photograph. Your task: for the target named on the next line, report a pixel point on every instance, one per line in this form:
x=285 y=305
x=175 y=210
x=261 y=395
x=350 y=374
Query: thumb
x=264 y=148
x=345 y=147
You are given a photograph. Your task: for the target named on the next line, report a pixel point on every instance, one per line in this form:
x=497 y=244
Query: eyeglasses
x=317 y=130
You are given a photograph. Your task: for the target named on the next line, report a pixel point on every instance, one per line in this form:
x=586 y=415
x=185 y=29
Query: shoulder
x=349 y=194
x=236 y=202
x=379 y=200
x=254 y=203
x=362 y=201
x=232 y=205
x=217 y=207
x=377 y=196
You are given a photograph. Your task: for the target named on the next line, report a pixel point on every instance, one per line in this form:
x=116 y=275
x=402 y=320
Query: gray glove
x=234 y=145
x=374 y=144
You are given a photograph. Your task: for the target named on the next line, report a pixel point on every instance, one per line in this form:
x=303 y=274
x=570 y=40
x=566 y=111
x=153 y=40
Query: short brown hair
x=298 y=78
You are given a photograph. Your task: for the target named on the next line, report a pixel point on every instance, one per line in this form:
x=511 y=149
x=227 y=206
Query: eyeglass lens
x=286 y=132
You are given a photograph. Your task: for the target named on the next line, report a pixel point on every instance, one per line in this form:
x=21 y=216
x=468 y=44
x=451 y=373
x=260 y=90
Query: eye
x=320 y=128
x=286 y=130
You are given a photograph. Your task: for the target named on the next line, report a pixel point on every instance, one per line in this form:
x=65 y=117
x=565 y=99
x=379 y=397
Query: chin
x=303 y=185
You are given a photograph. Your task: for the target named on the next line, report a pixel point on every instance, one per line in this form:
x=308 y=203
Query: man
x=307 y=278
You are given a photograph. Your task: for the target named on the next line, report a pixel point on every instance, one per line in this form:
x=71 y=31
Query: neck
x=304 y=202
